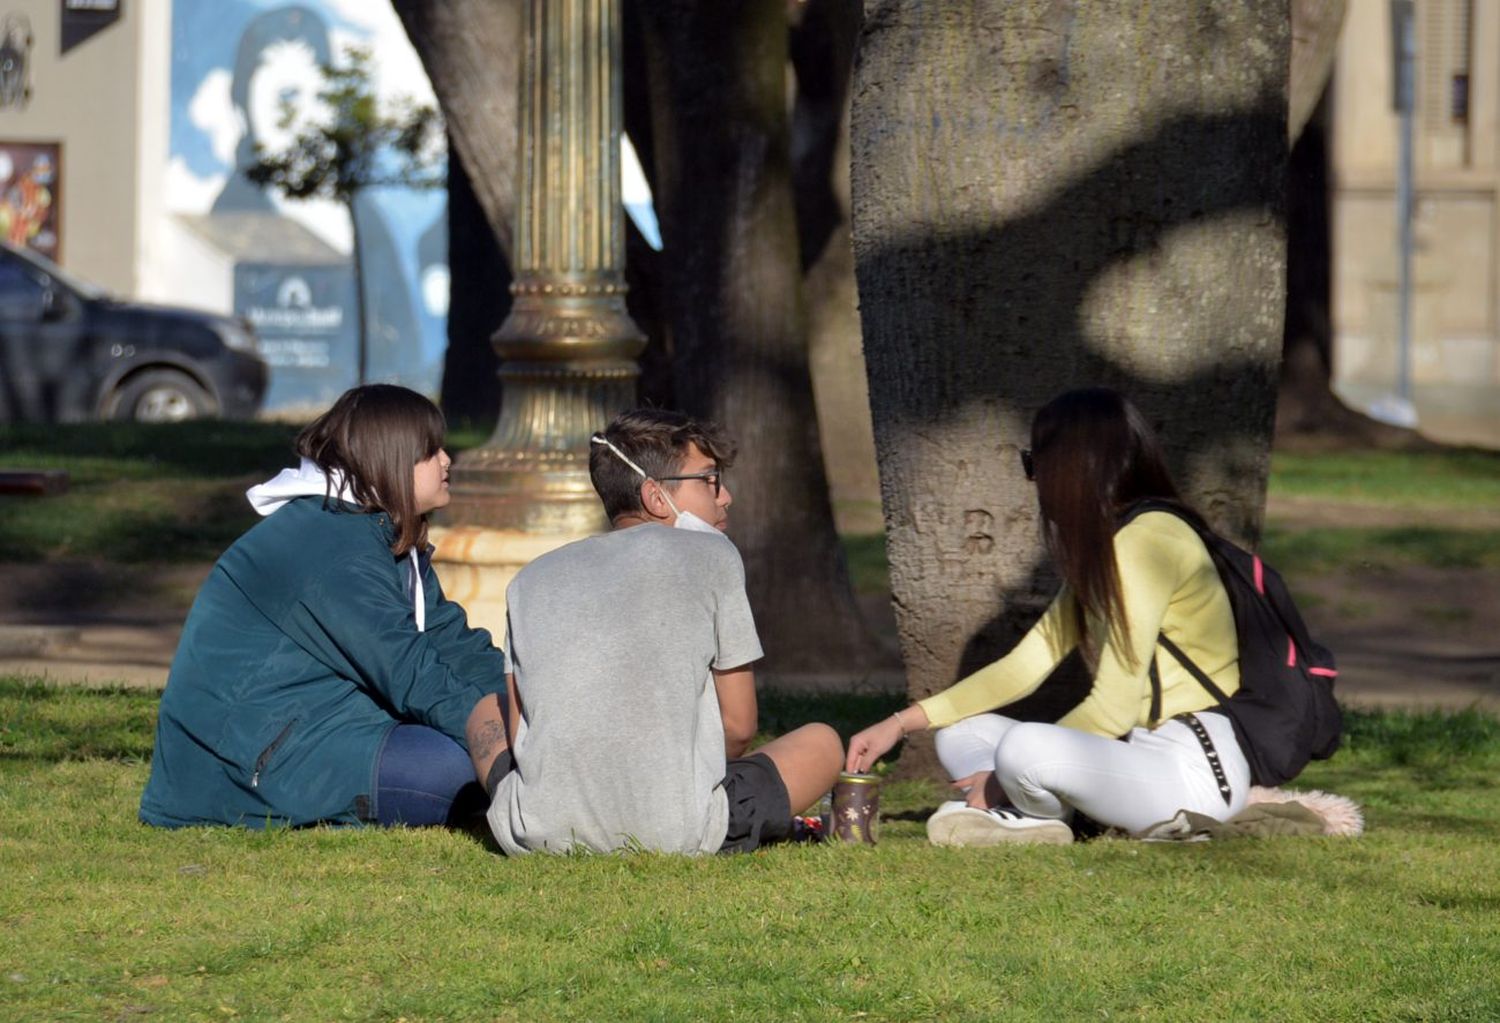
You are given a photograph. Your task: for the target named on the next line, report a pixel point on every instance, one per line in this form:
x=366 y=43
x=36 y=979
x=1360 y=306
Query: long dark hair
x=1095 y=455
x=375 y=435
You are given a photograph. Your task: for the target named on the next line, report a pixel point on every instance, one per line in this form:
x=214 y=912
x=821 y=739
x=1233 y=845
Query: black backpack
x=1284 y=713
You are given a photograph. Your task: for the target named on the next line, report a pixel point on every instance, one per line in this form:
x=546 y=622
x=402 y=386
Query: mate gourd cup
x=856 y=807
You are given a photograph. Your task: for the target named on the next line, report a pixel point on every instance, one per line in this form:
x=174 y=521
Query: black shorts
x=760 y=811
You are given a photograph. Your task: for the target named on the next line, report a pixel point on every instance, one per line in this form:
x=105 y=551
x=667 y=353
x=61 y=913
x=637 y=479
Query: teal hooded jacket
x=300 y=655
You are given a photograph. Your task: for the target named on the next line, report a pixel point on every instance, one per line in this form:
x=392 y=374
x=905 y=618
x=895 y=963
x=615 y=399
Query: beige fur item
x=1341 y=815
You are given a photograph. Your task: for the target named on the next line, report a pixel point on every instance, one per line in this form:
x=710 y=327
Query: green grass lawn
x=137 y=492
x=1455 y=477
x=175 y=492
x=172 y=492
x=1330 y=548
x=104 y=919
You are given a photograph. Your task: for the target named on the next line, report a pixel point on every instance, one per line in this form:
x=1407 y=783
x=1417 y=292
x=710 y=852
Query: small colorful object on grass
x=808 y=829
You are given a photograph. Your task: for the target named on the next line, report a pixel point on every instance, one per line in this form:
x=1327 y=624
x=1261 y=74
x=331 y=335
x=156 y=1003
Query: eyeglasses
x=1028 y=464
x=713 y=477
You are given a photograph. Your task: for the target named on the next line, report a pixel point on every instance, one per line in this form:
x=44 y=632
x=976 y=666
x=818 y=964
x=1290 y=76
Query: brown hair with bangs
x=656 y=440
x=1095 y=455
x=375 y=435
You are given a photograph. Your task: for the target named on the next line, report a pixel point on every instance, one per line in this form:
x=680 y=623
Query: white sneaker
x=957 y=823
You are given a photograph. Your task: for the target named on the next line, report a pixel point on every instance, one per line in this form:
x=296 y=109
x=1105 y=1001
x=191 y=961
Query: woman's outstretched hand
x=870 y=745
x=876 y=741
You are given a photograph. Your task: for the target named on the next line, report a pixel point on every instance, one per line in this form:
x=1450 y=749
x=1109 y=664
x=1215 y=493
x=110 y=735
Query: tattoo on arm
x=489 y=738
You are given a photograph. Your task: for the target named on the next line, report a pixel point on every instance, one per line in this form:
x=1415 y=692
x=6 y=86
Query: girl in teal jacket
x=322 y=675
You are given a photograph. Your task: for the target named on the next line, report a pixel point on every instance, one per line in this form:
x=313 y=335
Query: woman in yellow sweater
x=1092 y=456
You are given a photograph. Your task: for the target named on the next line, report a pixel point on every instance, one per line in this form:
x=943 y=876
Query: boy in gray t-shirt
x=628 y=658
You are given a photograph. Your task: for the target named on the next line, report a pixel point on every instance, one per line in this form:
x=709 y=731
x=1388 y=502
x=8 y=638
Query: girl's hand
x=980 y=790
x=872 y=744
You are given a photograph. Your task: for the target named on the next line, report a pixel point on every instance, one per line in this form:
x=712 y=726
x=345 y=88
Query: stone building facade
x=1455 y=301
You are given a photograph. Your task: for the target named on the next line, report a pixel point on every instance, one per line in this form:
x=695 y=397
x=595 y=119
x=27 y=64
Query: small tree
x=350 y=142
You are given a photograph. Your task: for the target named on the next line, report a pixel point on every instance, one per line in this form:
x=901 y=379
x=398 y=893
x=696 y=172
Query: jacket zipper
x=270 y=751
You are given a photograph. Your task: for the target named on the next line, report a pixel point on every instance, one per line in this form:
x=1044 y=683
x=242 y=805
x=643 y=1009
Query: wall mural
x=234 y=65
x=15 y=60
x=30 y=198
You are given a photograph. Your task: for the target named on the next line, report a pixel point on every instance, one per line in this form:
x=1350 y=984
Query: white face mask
x=685 y=519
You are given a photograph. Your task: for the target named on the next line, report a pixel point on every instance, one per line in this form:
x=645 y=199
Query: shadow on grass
x=174 y=525
x=51 y=724
x=1392 y=760
x=1323 y=549
x=865 y=555
x=206 y=449
x=199 y=528
x=919 y=815
x=846 y=713
x=1405 y=738
x=1446 y=824
x=1454 y=475
x=1461 y=901
x=140 y=492
x=40 y=722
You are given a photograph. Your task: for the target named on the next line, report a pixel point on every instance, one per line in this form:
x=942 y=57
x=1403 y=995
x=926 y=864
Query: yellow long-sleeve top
x=1168 y=584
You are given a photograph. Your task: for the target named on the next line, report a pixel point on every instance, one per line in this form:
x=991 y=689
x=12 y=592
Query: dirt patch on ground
x=94 y=622
x=76 y=592
x=1312 y=512
x=1415 y=636
x=1411 y=636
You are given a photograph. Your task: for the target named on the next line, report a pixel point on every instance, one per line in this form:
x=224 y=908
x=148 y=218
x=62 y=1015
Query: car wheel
x=161 y=396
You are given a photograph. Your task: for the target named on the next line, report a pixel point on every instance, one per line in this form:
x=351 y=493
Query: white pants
x=1049 y=770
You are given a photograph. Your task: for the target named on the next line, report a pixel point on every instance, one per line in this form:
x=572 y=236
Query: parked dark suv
x=68 y=351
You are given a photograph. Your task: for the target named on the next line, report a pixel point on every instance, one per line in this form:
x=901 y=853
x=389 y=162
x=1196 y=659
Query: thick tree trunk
x=1315 y=42
x=1308 y=414
x=471 y=50
x=478 y=301
x=643 y=263
x=822 y=52
x=823 y=41
x=735 y=315
x=1306 y=368
x=1051 y=194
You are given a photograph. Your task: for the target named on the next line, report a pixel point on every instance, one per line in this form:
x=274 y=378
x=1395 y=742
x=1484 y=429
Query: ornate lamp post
x=568 y=347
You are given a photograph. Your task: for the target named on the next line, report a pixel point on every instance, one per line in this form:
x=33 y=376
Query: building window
x=1444 y=45
x=1458 y=103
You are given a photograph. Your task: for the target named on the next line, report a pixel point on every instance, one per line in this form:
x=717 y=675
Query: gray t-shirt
x=621 y=743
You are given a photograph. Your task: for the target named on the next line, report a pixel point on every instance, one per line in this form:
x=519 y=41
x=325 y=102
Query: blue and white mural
x=235 y=64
